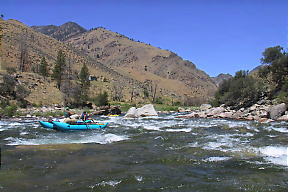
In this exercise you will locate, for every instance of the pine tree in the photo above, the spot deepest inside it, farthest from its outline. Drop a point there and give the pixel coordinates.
(58, 71)
(84, 77)
(43, 68)
(84, 86)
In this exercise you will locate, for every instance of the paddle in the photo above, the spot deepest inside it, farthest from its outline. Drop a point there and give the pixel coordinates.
(87, 125)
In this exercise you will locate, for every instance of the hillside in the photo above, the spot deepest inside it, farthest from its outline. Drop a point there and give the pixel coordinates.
(129, 66)
(15, 34)
(145, 62)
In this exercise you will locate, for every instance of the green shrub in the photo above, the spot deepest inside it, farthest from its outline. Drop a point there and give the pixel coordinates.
(125, 107)
(101, 99)
(60, 113)
(9, 111)
(166, 108)
(38, 114)
(19, 113)
(49, 113)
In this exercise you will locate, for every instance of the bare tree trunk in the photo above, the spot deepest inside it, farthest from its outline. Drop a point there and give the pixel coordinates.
(23, 64)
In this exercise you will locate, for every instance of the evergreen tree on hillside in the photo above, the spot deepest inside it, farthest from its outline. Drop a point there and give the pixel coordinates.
(43, 68)
(84, 85)
(84, 77)
(59, 69)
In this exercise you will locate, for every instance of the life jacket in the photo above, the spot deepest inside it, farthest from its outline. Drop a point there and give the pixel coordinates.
(66, 114)
(82, 116)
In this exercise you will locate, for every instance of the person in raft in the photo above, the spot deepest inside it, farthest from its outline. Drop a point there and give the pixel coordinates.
(85, 117)
(68, 113)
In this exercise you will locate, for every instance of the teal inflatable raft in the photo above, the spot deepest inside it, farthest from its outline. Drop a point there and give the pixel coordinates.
(78, 126)
(46, 124)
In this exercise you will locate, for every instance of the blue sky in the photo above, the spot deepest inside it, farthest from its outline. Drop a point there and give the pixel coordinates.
(218, 36)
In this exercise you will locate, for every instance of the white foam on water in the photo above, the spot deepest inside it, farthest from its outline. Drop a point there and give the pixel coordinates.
(98, 138)
(159, 137)
(218, 142)
(152, 127)
(237, 124)
(272, 136)
(276, 155)
(4, 125)
(111, 183)
(257, 130)
(179, 130)
(282, 130)
(109, 138)
(138, 177)
(24, 133)
(216, 159)
(14, 124)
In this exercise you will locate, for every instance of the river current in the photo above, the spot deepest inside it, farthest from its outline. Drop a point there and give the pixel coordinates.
(147, 154)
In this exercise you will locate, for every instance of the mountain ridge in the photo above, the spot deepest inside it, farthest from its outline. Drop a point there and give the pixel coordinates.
(62, 32)
(127, 64)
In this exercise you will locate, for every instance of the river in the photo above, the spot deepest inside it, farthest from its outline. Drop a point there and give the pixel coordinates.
(147, 154)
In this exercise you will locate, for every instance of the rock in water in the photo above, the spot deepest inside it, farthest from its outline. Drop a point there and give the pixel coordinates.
(277, 111)
(132, 113)
(146, 110)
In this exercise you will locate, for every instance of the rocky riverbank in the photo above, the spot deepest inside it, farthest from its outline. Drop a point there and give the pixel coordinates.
(58, 111)
(261, 112)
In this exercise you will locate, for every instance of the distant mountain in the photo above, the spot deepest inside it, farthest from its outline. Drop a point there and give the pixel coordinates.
(129, 66)
(63, 32)
(220, 78)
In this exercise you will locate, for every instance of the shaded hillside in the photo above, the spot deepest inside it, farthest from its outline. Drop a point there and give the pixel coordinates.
(220, 78)
(63, 32)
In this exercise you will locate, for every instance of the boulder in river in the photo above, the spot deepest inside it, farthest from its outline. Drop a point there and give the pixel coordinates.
(132, 113)
(204, 107)
(277, 111)
(146, 110)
